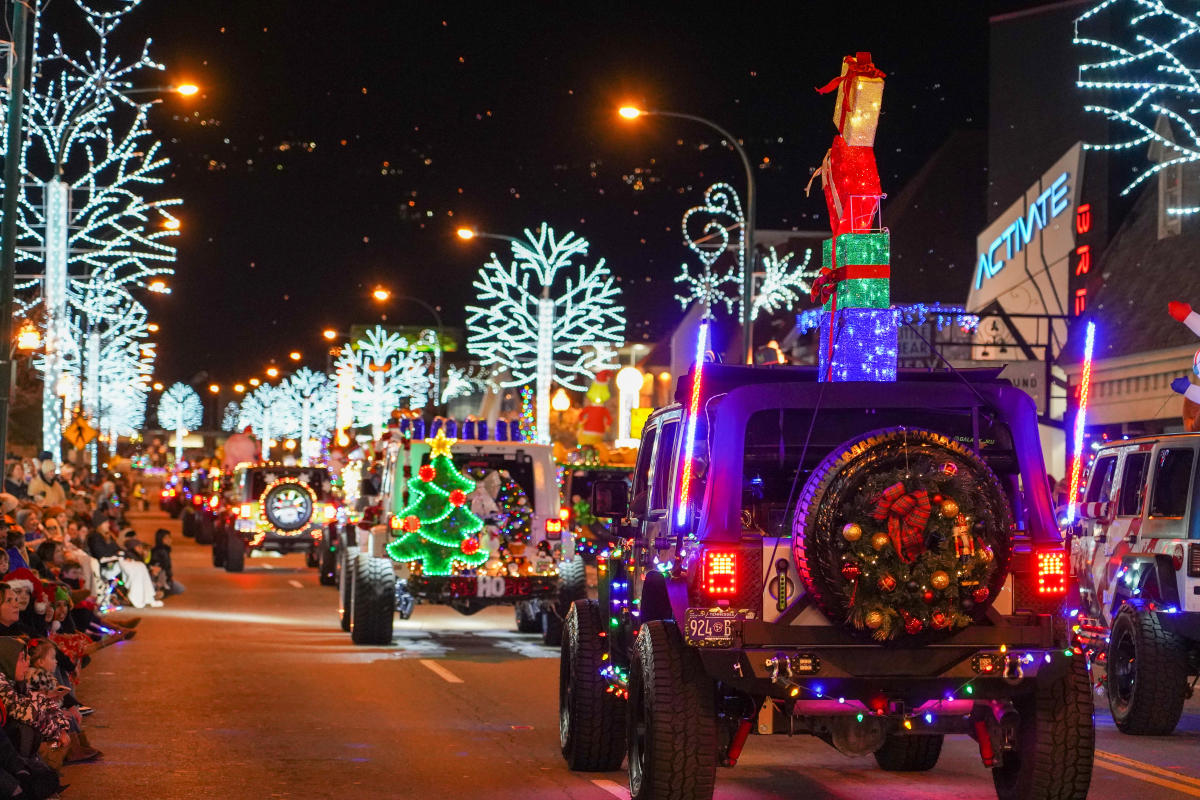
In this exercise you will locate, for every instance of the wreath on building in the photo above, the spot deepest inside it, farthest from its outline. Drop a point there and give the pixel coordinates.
(903, 532)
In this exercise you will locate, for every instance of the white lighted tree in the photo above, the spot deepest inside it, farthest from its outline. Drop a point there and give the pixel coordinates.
(542, 333)
(86, 161)
(230, 416)
(180, 410)
(271, 413)
(1146, 80)
(465, 381)
(384, 371)
(315, 395)
(715, 228)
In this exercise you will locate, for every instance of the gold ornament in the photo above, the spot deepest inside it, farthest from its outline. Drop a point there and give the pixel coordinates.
(880, 541)
(940, 580)
(873, 620)
(852, 532)
(986, 555)
(949, 508)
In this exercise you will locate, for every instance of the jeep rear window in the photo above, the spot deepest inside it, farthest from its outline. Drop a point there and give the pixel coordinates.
(315, 479)
(1100, 485)
(775, 439)
(1172, 482)
(492, 469)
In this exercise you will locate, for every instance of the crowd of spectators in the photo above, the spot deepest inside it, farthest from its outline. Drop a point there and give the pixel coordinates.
(70, 561)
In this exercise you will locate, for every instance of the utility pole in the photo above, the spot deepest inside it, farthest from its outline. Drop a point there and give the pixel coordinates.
(8, 230)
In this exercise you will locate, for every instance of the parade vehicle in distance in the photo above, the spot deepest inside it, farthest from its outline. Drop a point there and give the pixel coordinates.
(170, 499)
(276, 508)
(510, 482)
(202, 501)
(877, 565)
(1136, 551)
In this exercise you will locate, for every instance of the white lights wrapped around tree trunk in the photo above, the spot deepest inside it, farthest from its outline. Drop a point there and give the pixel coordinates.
(539, 333)
(57, 337)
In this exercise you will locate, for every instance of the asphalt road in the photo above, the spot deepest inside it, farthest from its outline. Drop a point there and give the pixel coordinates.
(245, 687)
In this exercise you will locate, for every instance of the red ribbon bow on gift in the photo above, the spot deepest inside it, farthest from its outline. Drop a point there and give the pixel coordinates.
(857, 65)
(826, 283)
(906, 515)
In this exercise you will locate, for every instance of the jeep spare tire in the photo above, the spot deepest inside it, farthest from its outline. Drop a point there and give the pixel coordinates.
(902, 532)
(288, 505)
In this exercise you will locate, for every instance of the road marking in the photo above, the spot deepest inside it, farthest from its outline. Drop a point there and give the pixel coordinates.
(1149, 774)
(613, 788)
(1166, 773)
(440, 671)
(268, 566)
(296, 583)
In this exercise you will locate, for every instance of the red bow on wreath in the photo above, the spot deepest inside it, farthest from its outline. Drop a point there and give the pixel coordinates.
(906, 515)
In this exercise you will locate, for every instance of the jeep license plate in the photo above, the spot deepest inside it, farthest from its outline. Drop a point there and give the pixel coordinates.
(709, 627)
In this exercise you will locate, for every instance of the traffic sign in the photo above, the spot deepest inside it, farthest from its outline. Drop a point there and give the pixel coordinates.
(79, 433)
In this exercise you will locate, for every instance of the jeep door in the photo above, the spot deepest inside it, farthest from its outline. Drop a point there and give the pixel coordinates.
(1088, 552)
(1122, 533)
(1170, 509)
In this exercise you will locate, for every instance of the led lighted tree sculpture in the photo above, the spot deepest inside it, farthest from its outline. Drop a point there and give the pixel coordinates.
(86, 161)
(384, 371)
(180, 410)
(709, 231)
(1146, 78)
(315, 396)
(540, 333)
(270, 412)
(230, 416)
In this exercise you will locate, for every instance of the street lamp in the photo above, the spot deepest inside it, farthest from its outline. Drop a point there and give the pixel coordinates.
(239, 387)
(254, 381)
(467, 234)
(330, 334)
(294, 355)
(381, 294)
(272, 372)
(633, 112)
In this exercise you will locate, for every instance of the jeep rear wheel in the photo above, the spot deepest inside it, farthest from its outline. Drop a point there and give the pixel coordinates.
(204, 530)
(373, 602)
(591, 719)
(1056, 740)
(528, 617)
(909, 753)
(672, 719)
(218, 548)
(1147, 673)
(346, 560)
(235, 552)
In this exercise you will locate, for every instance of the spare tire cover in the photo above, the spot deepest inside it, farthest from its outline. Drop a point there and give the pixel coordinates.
(903, 532)
(288, 505)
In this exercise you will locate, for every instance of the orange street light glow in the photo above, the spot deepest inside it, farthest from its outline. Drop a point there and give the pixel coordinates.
(239, 387)
(187, 89)
(254, 381)
(629, 112)
(329, 334)
(158, 286)
(294, 355)
(381, 294)
(171, 224)
(214, 388)
(272, 372)
(158, 387)
(465, 233)
(152, 327)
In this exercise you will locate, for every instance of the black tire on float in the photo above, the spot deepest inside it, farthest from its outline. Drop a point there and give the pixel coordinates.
(204, 530)
(312, 558)
(346, 561)
(218, 547)
(672, 719)
(373, 604)
(1147, 677)
(327, 569)
(185, 524)
(591, 719)
(235, 552)
(572, 586)
(1056, 741)
(909, 753)
(839, 478)
(528, 617)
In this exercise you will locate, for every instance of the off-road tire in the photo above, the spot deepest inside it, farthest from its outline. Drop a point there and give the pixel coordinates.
(205, 530)
(672, 730)
(816, 530)
(235, 552)
(572, 586)
(373, 602)
(312, 557)
(1148, 702)
(346, 586)
(909, 753)
(1056, 741)
(327, 569)
(591, 719)
(187, 524)
(528, 618)
(220, 541)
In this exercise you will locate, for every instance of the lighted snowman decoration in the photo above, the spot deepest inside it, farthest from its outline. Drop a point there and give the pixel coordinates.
(1191, 392)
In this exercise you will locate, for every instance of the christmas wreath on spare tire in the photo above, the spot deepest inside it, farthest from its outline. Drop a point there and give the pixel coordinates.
(901, 533)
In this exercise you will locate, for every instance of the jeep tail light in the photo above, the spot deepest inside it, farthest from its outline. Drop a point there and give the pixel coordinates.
(197, 500)
(1193, 565)
(565, 515)
(246, 511)
(719, 575)
(330, 512)
(1051, 572)
(554, 526)
(214, 502)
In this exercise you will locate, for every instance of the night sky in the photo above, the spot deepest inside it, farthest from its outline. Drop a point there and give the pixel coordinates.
(336, 146)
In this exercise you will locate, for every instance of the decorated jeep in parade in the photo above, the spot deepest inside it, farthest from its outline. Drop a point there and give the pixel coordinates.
(465, 522)
(273, 507)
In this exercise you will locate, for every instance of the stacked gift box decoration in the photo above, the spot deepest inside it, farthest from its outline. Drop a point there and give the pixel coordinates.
(858, 330)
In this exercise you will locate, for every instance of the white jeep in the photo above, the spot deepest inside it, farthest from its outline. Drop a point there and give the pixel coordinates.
(1136, 551)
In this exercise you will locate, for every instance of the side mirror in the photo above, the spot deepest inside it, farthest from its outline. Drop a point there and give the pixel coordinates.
(610, 499)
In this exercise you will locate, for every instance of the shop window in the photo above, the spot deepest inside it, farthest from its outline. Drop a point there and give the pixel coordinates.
(1133, 484)
(1172, 482)
(1100, 485)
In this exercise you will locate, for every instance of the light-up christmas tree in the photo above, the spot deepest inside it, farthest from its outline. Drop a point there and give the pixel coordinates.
(1145, 79)
(541, 333)
(180, 410)
(437, 531)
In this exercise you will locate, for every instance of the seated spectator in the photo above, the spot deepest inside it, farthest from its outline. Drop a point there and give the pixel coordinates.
(38, 713)
(160, 560)
(50, 553)
(103, 545)
(14, 481)
(134, 547)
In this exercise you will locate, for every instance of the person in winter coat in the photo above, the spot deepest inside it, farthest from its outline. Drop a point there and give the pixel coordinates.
(160, 563)
(45, 489)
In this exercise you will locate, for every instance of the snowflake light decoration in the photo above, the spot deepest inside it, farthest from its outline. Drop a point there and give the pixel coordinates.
(533, 331)
(720, 214)
(1149, 77)
(783, 285)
